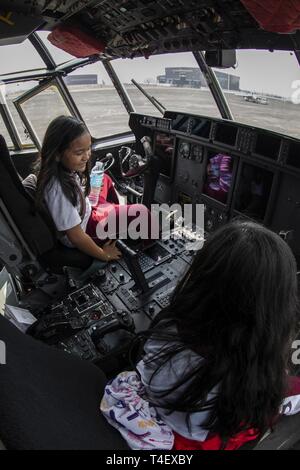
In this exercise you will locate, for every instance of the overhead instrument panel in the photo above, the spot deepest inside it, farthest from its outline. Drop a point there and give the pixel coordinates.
(133, 28)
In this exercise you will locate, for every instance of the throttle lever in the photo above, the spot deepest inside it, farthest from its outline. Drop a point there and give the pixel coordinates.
(146, 141)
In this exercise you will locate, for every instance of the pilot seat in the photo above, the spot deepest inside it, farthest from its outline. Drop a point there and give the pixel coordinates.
(49, 399)
(29, 246)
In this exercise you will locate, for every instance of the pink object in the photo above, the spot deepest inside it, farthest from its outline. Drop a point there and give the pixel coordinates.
(75, 42)
(277, 16)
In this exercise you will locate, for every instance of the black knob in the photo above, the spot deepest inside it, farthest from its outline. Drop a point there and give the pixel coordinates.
(151, 309)
(114, 268)
(102, 347)
(122, 277)
(126, 318)
(101, 274)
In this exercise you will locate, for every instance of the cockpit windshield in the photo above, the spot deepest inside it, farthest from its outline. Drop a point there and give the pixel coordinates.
(173, 79)
(268, 98)
(264, 90)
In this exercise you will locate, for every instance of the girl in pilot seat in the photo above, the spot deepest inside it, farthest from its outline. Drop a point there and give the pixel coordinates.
(215, 369)
(64, 184)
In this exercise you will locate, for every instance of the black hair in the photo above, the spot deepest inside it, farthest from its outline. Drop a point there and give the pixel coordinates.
(237, 308)
(61, 132)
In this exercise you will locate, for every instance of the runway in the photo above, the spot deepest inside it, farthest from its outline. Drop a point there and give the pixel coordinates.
(104, 113)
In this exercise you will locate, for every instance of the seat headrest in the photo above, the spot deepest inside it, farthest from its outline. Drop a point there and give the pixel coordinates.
(5, 161)
(4, 154)
(3, 146)
(33, 226)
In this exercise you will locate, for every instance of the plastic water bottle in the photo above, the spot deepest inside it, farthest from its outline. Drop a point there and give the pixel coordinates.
(96, 182)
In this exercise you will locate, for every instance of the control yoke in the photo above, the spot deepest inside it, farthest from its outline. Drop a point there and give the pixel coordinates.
(132, 164)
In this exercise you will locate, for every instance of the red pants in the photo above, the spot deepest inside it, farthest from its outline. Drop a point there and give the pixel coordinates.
(214, 442)
(110, 220)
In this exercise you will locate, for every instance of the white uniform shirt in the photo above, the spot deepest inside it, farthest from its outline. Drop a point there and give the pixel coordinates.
(169, 374)
(64, 214)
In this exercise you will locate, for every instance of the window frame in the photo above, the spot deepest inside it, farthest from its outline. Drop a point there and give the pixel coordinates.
(35, 91)
(10, 127)
(53, 75)
(68, 67)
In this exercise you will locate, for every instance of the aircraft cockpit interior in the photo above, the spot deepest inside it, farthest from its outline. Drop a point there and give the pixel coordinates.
(161, 149)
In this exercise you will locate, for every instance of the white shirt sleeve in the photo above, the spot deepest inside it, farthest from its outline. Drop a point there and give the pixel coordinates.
(64, 214)
(290, 405)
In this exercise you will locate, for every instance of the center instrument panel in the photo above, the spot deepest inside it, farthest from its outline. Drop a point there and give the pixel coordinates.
(97, 321)
(233, 170)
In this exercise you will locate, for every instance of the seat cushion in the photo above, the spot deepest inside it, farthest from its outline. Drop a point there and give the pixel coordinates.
(61, 256)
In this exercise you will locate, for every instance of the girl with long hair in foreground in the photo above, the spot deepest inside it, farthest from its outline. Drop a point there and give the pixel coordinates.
(215, 370)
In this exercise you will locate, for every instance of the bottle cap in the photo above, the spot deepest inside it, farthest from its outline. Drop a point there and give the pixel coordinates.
(99, 165)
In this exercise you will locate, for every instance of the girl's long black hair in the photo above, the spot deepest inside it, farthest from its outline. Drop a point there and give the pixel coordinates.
(237, 308)
(60, 134)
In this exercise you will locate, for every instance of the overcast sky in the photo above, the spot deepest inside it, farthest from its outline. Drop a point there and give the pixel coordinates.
(260, 71)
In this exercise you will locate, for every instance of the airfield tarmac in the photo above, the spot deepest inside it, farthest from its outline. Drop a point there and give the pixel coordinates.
(104, 113)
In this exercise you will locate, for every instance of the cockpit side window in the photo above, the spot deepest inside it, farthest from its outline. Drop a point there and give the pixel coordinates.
(19, 57)
(39, 107)
(10, 93)
(267, 90)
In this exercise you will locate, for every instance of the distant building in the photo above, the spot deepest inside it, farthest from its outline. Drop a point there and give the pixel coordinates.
(91, 79)
(227, 81)
(193, 77)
